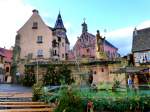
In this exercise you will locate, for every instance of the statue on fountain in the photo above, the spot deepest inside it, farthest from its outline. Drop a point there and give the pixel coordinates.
(100, 46)
(99, 41)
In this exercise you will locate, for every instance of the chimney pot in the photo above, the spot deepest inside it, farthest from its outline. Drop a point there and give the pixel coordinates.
(35, 11)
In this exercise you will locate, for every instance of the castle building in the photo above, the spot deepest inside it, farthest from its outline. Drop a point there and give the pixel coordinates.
(36, 41)
(85, 46)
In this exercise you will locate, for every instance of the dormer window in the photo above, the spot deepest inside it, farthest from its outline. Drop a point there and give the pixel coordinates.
(39, 39)
(35, 25)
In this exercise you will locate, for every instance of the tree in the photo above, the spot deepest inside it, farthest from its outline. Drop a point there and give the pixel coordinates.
(29, 78)
(51, 76)
(55, 75)
(65, 74)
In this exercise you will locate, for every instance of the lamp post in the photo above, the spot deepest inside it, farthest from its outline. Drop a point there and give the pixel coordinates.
(37, 72)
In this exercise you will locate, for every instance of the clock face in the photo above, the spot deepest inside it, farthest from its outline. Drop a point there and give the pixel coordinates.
(60, 33)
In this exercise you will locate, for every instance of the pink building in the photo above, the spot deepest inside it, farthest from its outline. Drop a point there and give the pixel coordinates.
(85, 46)
(7, 61)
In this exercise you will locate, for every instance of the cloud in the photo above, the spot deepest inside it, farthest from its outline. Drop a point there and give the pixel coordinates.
(14, 13)
(67, 25)
(122, 38)
(144, 24)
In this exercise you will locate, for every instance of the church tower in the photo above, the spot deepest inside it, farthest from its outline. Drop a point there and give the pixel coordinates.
(84, 27)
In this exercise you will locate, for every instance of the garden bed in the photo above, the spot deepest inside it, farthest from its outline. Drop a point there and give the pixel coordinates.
(106, 100)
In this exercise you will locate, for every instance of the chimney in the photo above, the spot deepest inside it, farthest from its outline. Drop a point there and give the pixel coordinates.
(35, 11)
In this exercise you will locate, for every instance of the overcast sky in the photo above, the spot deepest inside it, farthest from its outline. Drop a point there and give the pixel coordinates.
(118, 17)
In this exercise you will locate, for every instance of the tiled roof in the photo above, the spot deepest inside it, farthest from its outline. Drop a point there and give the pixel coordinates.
(93, 36)
(59, 23)
(109, 44)
(141, 40)
(7, 54)
(1, 52)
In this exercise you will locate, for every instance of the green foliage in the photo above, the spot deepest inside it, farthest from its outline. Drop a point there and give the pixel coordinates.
(65, 75)
(13, 71)
(29, 78)
(69, 101)
(104, 86)
(51, 76)
(116, 84)
(37, 91)
(117, 101)
(73, 100)
(57, 75)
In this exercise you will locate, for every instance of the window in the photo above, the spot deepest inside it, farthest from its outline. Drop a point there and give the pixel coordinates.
(54, 53)
(35, 25)
(30, 56)
(102, 70)
(59, 39)
(7, 69)
(62, 55)
(39, 39)
(62, 44)
(40, 53)
(87, 50)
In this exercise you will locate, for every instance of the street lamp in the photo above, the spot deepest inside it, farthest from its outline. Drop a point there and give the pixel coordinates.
(37, 72)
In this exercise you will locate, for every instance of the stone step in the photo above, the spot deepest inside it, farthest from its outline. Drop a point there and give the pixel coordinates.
(29, 110)
(5, 99)
(22, 103)
(25, 107)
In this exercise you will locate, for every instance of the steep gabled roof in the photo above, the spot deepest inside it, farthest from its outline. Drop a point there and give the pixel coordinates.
(94, 37)
(2, 52)
(59, 23)
(141, 40)
(109, 44)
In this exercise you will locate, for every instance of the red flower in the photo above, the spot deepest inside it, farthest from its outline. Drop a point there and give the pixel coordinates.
(90, 104)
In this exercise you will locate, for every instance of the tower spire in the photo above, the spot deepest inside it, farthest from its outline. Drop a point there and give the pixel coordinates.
(59, 22)
(84, 26)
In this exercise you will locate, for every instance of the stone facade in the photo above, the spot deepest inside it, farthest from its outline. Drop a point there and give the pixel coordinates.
(36, 41)
(35, 38)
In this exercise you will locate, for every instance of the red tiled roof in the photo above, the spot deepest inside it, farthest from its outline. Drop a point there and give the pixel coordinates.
(7, 54)
(1, 52)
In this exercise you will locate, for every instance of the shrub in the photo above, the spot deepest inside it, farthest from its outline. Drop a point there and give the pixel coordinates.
(29, 78)
(37, 91)
(70, 101)
(57, 75)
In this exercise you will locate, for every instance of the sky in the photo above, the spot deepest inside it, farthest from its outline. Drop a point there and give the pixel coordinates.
(117, 17)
